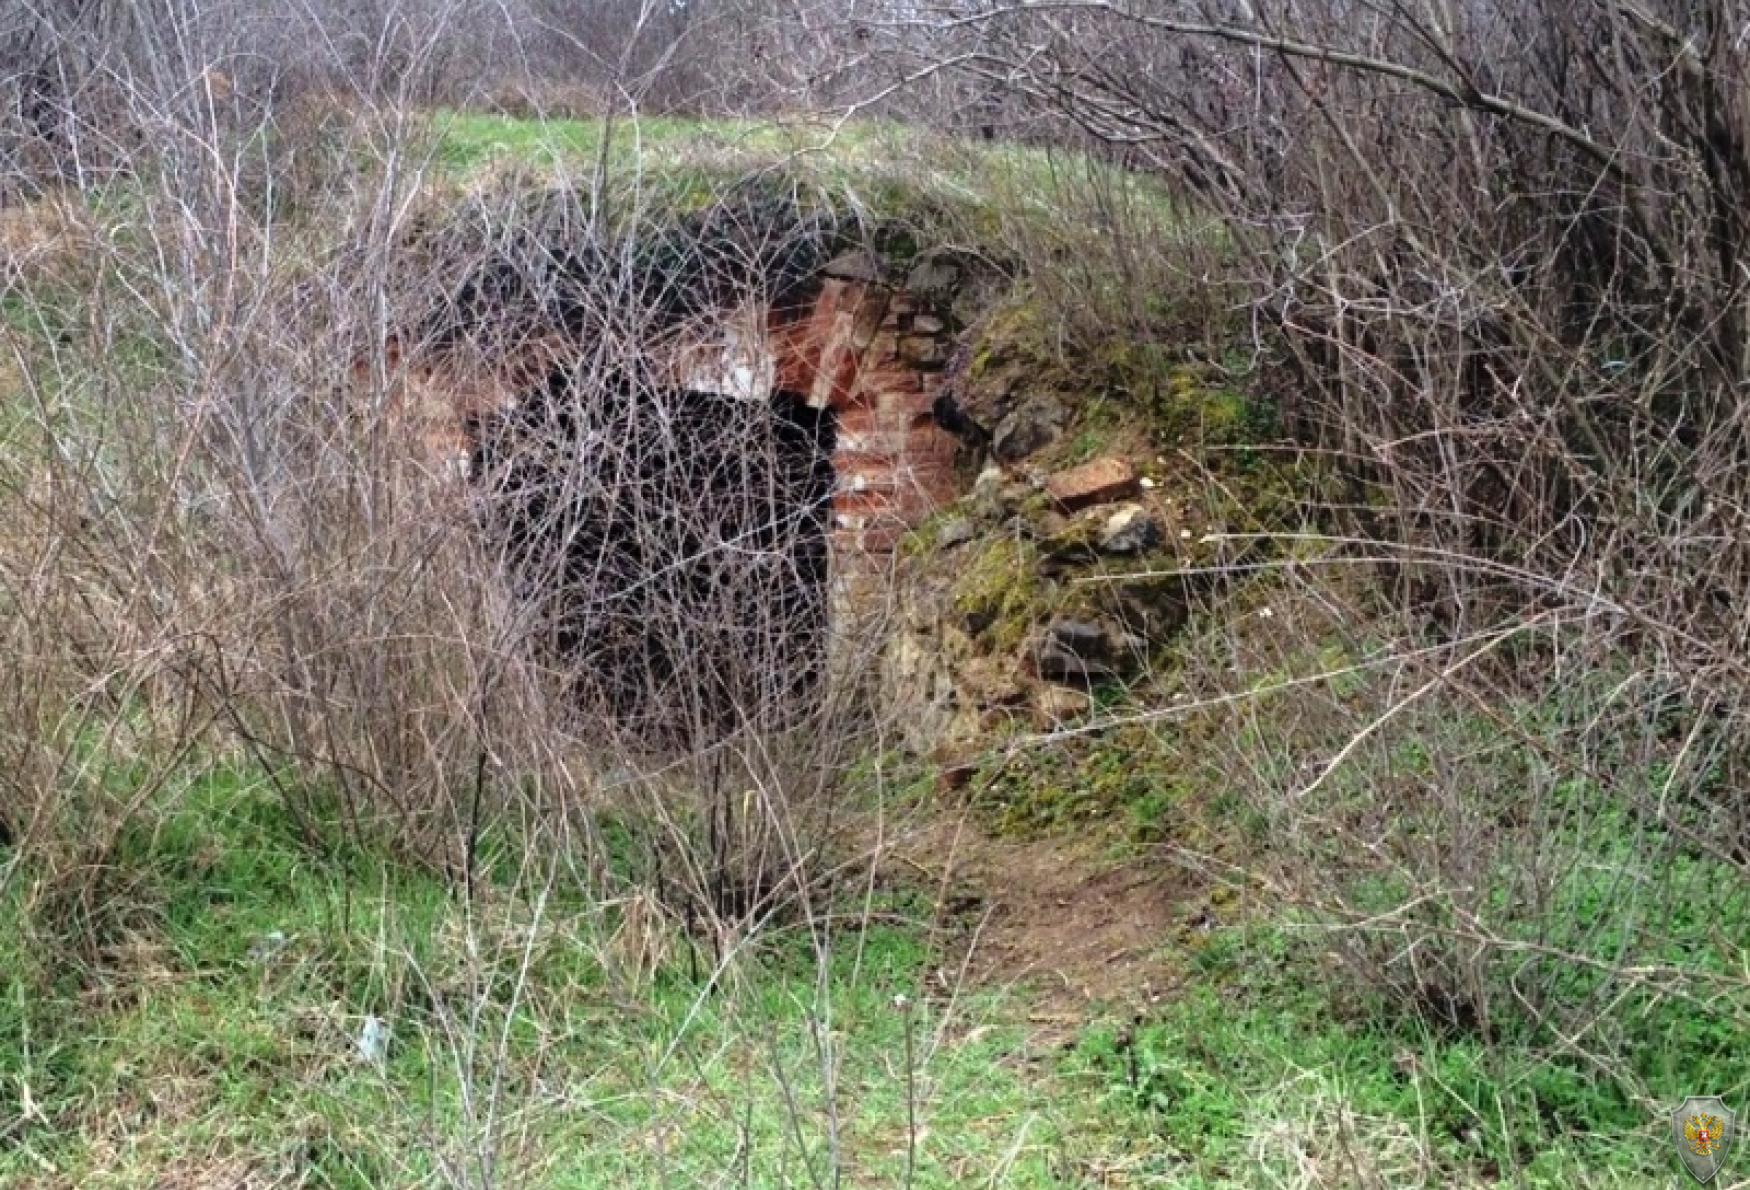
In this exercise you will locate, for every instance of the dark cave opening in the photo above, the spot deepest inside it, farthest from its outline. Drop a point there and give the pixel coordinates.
(669, 546)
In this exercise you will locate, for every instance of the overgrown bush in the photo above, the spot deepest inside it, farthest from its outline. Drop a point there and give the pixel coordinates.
(1500, 251)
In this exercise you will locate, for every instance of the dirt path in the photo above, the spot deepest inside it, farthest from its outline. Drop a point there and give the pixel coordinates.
(1086, 935)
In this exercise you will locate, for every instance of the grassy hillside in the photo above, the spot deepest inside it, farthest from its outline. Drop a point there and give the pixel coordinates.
(294, 893)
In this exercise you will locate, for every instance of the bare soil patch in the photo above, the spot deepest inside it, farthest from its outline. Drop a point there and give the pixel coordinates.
(1086, 934)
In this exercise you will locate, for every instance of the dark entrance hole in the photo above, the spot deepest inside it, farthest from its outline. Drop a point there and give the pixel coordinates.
(669, 548)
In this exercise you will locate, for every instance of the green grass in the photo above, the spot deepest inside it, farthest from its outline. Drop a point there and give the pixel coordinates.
(1273, 1058)
(1258, 1066)
(885, 172)
(212, 1031)
(217, 1031)
(470, 141)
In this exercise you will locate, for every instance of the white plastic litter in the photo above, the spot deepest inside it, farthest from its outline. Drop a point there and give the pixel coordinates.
(373, 1041)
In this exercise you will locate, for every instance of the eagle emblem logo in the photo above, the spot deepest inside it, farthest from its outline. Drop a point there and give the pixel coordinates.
(1703, 1130)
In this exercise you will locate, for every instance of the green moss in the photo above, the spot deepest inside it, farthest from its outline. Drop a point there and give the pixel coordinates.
(1001, 594)
(1166, 389)
(1137, 785)
(1127, 394)
(922, 540)
(1099, 423)
(1076, 540)
(1016, 333)
(1187, 407)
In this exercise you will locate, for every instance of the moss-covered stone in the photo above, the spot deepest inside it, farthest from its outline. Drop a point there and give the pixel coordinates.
(1077, 539)
(1133, 778)
(1001, 595)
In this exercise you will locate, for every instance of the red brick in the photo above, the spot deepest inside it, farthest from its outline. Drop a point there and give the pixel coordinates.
(1099, 482)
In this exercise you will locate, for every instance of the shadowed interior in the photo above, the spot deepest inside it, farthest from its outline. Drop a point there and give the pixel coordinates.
(671, 547)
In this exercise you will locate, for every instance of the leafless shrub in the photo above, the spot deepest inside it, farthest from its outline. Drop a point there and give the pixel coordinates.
(228, 459)
(1499, 249)
(412, 499)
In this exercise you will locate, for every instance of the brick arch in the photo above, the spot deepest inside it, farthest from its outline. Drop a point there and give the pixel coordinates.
(873, 354)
